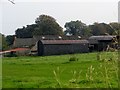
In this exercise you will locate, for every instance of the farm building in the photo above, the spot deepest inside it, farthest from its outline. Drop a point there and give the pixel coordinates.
(100, 43)
(56, 47)
(51, 44)
(29, 42)
(16, 51)
(23, 42)
(32, 43)
(56, 37)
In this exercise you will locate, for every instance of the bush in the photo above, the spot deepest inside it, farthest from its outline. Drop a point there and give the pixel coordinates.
(11, 55)
(73, 58)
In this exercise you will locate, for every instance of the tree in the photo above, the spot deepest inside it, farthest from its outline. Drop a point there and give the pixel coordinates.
(100, 29)
(3, 43)
(115, 27)
(47, 25)
(10, 39)
(77, 28)
(26, 32)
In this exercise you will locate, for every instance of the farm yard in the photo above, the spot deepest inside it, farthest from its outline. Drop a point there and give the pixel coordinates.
(75, 49)
(86, 70)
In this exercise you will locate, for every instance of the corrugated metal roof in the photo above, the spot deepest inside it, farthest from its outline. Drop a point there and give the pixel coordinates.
(56, 37)
(91, 41)
(22, 42)
(101, 37)
(64, 41)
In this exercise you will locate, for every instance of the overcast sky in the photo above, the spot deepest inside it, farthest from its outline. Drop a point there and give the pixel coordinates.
(24, 13)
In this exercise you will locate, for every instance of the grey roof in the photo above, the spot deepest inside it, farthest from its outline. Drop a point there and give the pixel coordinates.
(91, 41)
(28, 42)
(46, 37)
(101, 37)
(64, 41)
(23, 42)
(56, 37)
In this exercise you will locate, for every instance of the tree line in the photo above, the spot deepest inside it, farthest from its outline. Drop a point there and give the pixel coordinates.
(47, 25)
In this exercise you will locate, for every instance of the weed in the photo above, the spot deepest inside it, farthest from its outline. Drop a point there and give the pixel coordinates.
(57, 77)
(73, 58)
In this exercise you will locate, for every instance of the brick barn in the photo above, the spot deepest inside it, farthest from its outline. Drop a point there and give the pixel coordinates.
(57, 47)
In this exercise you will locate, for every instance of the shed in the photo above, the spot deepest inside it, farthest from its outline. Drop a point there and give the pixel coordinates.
(56, 47)
(100, 43)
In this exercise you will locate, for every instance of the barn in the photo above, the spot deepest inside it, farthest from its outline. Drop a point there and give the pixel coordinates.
(29, 42)
(100, 43)
(23, 42)
(57, 47)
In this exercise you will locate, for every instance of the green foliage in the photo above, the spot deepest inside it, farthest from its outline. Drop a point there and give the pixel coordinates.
(47, 25)
(6, 42)
(77, 28)
(44, 18)
(10, 40)
(3, 43)
(73, 58)
(10, 55)
(26, 32)
(116, 28)
(101, 29)
(57, 72)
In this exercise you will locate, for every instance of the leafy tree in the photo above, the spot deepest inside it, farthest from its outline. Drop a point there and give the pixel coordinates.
(115, 27)
(26, 32)
(47, 25)
(77, 28)
(10, 39)
(3, 43)
(100, 29)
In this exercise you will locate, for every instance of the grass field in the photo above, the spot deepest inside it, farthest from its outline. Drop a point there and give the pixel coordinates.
(59, 72)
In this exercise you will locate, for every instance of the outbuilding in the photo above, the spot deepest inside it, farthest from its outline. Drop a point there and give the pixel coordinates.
(56, 47)
(100, 43)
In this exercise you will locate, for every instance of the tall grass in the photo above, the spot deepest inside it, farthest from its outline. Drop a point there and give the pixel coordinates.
(107, 62)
